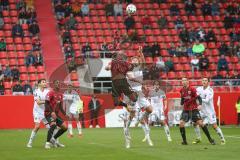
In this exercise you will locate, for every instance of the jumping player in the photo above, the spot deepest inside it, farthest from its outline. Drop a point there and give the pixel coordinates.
(207, 110)
(72, 102)
(158, 101)
(190, 111)
(54, 104)
(38, 110)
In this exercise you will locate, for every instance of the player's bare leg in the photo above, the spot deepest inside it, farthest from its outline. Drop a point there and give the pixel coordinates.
(33, 135)
(166, 129)
(219, 132)
(198, 134)
(205, 130)
(183, 132)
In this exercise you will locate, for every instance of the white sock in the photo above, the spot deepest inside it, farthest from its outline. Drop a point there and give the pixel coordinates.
(79, 127)
(219, 132)
(198, 132)
(33, 135)
(70, 129)
(47, 126)
(167, 131)
(143, 115)
(128, 123)
(144, 129)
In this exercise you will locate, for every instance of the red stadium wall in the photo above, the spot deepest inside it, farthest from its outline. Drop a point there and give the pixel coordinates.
(16, 111)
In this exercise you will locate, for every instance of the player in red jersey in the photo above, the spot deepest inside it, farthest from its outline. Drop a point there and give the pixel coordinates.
(53, 105)
(189, 99)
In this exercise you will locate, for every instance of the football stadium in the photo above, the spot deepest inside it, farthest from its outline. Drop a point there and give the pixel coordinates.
(119, 79)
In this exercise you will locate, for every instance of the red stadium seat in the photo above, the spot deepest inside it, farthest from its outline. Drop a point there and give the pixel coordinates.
(23, 77)
(32, 77)
(31, 69)
(22, 69)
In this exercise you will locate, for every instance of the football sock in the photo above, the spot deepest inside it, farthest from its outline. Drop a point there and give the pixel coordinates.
(144, 115)
(122, 104)
(79, 127)
(70, 128)
(205, 130)
(50, 132)
(166, 129)
(197, 131)
(183, 134)
(33, 135)
(59, 133)
(219, 132)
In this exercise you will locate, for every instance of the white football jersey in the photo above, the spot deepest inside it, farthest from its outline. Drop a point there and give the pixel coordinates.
(39, 95)
(71, 100)
(137, 74)
(207, 100)
(157, 97)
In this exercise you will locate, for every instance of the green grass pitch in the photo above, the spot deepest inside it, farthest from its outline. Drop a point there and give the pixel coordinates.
(108, 144)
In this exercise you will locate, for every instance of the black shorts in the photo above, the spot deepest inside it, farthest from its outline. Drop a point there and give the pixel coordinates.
(193, 115)
(120, 86)
(58, 121)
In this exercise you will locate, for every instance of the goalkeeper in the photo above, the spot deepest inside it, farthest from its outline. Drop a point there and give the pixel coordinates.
(73, 106)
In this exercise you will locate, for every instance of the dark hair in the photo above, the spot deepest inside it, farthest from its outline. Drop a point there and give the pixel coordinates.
(207, 78)
(40, 80)
(54, 81)
(238, 101)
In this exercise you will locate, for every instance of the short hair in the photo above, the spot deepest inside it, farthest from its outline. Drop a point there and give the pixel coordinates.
(54, 81)
(207, 78)
(40, 80)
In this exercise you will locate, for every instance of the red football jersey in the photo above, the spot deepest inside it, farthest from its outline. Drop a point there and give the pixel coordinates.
(120, 67)
(53, 97)
(190, 98)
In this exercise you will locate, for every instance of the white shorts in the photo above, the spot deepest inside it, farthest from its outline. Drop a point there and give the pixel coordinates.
(157, 115)
(37, 118)
(209, 118)
(142, 102)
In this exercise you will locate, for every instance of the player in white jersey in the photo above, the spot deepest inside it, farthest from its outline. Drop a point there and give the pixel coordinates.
(207, 110)
(135, 79)
(158, 101)
(73, 107)
(38, 110)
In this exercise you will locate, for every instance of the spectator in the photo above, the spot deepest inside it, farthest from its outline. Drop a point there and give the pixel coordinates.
(34, 29)
(68, 9)
(36, 44)
(181, 50)
(217, 79)
(194, 64)
(71, 22)
(231, 8)
(154, 72)
(72, 67)
(86, 50)
(85, 9)
(7, 73)
(184, 35)
(201, 34)
(238, 53)
(17, 30)
(17, 89)
(179, 23)
(189, 50)
(118, 9)
(236, 78)
(76, 8)
(30, 59)
(15, 74)
(160, 64)
(210, 37)
(146, 22)
(192, 35)
(174, 10)
(162, 21)
(222, 64)
(31, 15)
(203, 63)
(198, 48)
(22, 16)
(215, 8)
(27, 89)
(2, 89)
(235, 36)
(4, 5)
(172, 50)
(1, 23)
(69, 52)
(146, 50)
(59, 10)
(169, 65)
(206, 9)
(94, 107)
(39, 59)
(190, 8)
(20, 4)
(1, 73)
(105, 51)
(3, 45)
(223, 49)
(129, 22)
(66, 36)
(155, 50)
(228, 21)
(109, 9)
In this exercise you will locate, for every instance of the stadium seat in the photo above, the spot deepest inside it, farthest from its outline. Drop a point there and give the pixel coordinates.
(23, 77)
